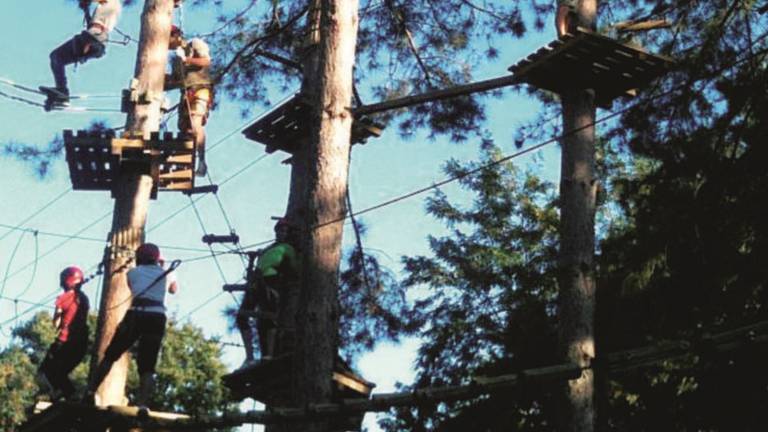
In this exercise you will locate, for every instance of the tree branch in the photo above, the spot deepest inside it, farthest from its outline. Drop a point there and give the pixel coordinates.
(240, 53)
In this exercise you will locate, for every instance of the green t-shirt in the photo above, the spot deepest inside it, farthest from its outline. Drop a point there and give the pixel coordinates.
(278, 259)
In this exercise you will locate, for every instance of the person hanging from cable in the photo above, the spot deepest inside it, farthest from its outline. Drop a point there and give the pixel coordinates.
(144, 322)
(67, 351)
(88, 44)
(275, 270)
(190, 72)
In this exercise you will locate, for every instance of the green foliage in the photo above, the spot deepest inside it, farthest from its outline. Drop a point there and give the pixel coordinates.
(491, 285)
(373, 304)
(188, 373)
(17, 388)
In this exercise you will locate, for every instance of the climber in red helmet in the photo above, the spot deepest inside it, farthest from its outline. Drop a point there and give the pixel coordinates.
(68, 350)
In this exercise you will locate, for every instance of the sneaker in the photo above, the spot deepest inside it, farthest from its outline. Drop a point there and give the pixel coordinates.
(60, 95)
(202, 168)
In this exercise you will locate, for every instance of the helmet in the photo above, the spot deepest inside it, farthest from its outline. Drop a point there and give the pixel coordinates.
(176, 31)
(148, 252)
(71, 277)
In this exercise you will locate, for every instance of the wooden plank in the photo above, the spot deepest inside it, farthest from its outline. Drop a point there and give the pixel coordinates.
(352, 383)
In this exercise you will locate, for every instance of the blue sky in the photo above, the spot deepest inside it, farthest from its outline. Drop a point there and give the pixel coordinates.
(382, 169)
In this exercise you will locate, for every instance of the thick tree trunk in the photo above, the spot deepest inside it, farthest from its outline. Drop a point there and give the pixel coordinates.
(326, 183)
(578, 187)
(132, 193)
(297, 202)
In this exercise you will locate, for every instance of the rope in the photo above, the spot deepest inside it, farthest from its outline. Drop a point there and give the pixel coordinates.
(36, 213)
(177, 212)
(89, 239)
(66, 240)
(34, 268)
(10, 261)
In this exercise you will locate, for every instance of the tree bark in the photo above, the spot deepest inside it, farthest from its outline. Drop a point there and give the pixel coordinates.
(326, 184)
(578, 187)
(132, 194)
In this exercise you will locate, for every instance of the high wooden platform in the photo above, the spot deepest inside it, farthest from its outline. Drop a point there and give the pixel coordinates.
(286, 127)
(70, 417)
(97, 159)
(586, 60)
(268, 380)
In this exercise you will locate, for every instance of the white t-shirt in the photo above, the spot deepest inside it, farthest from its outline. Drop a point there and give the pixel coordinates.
(139, 280)
(107, 15)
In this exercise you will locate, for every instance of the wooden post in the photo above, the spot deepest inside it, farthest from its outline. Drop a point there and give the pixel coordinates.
(578, 187)
(132, 193)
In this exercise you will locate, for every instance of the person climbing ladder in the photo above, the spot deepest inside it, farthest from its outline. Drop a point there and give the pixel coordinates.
(88, 44)
(68, 350)
(144, 322)
(191, 74)
(277, 267)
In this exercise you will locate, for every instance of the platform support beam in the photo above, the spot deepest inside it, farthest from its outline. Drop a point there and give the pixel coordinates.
(133, 189)
(578, 187)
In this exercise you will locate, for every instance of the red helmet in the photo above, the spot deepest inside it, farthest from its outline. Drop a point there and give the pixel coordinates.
(176, 31)
(148, 252)
(71, 277)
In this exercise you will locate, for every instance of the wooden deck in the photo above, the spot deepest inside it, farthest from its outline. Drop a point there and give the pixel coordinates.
(286, 127)
(97, 159)
(587, 60)
(267, 380)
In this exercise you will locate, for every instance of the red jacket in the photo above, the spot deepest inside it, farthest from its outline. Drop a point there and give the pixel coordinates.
(74, 306)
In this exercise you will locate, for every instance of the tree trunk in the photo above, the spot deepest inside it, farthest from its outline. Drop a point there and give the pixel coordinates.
(326, 184)
(132, 194)
(577, 244)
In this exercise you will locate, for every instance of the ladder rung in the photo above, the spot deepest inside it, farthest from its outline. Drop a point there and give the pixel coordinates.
(212, 238)
(178, 159)
(202, 189)
(177, 185)
(177, 175)
(235, 287)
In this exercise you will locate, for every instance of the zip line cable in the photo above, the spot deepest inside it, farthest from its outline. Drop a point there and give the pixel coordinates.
(88, 239)
(36, 213)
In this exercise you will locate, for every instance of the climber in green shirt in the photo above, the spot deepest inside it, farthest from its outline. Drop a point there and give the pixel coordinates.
(276, 268)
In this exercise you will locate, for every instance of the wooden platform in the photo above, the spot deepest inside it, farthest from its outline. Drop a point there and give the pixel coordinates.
(270, 378)
(96, 160)
(267, 380)
(286, 127)
(587, 60)
(68, 416)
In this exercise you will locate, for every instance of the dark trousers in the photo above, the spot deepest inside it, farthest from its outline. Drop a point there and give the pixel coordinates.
(261, 295)
(61, 359)
(80, 48)
(148, 328)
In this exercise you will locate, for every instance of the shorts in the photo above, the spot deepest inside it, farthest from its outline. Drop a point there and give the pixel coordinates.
(196, 102)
